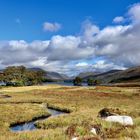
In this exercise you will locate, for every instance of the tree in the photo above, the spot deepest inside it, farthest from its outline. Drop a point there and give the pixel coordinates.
(15, 75)
(90, 82)
(35, 77)
(1, 76)
(97, 82)
(77, 81)
(21, 76)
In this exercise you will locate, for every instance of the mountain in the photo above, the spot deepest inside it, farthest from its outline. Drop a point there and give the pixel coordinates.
(36, 69)
(52, 76)
(118, 76)
(103, 77)
(86, 74)
(129, 75)
(56, 76)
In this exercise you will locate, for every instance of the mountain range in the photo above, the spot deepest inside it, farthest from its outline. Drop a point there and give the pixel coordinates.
(113, 76)
(117, 76)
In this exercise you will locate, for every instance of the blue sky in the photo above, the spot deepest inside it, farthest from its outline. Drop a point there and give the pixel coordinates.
(70, 36)
(70, 13)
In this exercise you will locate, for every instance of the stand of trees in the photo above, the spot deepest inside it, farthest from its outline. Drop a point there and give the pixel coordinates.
(90, 82)
(21, 76)
(77, 81)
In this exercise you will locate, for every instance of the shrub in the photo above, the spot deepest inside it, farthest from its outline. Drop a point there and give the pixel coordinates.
(77, 81)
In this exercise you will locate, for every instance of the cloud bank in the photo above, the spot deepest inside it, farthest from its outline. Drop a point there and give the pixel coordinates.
(113, 47)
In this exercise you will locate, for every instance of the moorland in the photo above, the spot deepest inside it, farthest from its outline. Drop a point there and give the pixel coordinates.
(23, 104)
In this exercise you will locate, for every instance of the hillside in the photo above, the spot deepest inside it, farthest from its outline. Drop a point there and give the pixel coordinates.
(129, 75)
(56, 76)
(86, 74)
(53, 76)
(118, 76)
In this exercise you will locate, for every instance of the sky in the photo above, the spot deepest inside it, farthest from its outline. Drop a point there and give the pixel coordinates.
(70, 36)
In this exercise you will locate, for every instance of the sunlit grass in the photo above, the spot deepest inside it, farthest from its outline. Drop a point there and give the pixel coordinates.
(84, 104)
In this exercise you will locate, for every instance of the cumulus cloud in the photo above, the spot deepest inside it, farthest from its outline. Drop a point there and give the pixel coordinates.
(67, 48)
(102, 65)
(51, 27)
(113, 47)
(118, 19)
(134, 12)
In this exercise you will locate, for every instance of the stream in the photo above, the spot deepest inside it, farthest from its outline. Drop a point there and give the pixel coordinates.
(31, 125)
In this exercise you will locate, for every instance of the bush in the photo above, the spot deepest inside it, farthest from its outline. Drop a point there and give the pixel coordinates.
(77, 81)
(92, 82)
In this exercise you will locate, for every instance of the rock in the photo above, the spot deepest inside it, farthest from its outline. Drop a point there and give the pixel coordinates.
(93, 130)
(124, 120)
(74, 138)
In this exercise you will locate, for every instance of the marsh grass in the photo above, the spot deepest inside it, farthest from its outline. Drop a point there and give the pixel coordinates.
(83, 103)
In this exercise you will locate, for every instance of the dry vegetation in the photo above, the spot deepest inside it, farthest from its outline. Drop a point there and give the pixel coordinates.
(84, 104)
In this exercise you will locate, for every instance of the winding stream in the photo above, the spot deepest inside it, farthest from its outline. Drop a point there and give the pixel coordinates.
(31, 125)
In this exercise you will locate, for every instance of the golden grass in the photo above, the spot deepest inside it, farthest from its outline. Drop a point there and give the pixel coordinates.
(84, 102)
(27, 88)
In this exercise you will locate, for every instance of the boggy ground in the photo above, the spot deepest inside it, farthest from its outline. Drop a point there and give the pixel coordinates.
(84, 103)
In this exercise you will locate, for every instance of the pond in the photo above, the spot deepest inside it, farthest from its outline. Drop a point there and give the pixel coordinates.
(31, 125)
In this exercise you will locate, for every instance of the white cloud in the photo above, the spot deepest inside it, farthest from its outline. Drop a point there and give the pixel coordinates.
(102, 65)
(134, 12)
(18, 45)
(51, 27)
(39, 46)
(67, 48)
(119, 19)
(89, 31)
(40, 62)
(81, 64)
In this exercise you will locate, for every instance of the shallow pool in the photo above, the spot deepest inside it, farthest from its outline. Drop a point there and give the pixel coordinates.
(31, 125)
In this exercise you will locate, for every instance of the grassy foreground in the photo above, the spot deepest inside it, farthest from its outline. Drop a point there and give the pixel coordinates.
(83, 102)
